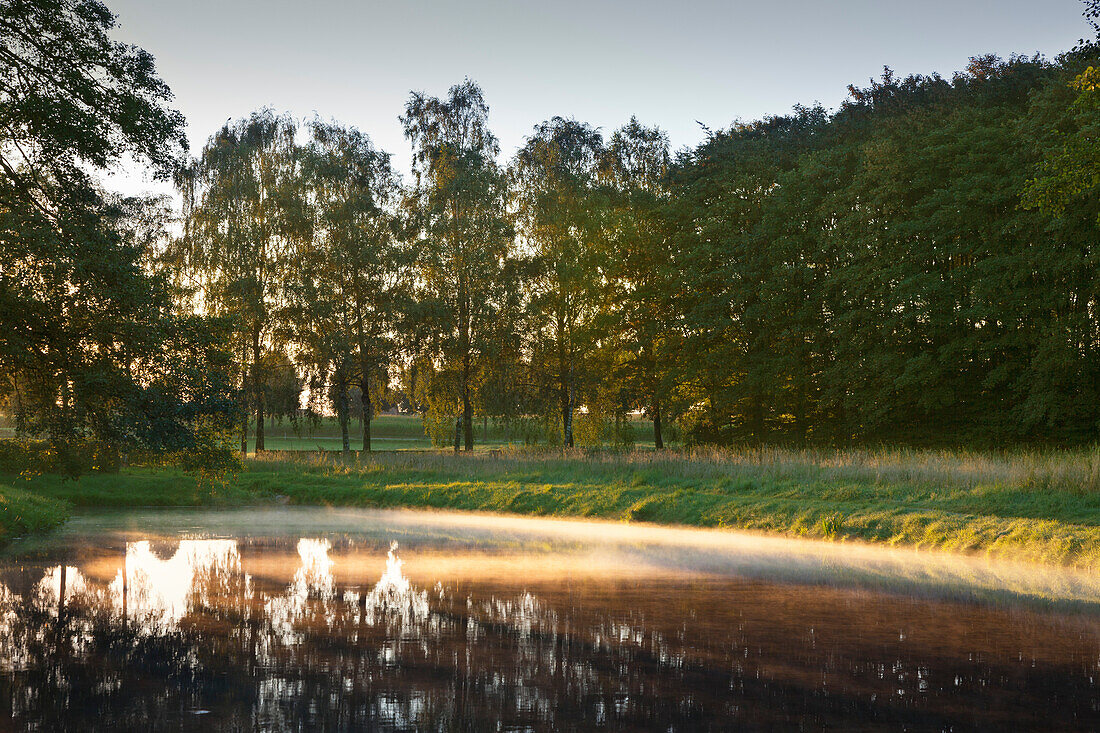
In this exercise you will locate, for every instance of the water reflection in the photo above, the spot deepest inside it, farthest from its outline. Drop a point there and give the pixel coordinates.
(349, 631)
(157, 593)
(393, 598)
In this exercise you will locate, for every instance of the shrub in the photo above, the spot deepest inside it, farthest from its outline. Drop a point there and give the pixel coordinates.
(71, 459)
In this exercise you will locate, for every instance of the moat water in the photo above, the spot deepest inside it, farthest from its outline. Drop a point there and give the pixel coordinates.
(314, 619)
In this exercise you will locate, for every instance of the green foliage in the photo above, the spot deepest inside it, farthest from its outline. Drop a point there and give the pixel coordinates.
(1070, 174)
(80, 98)
(919, 266)
(638, 349)
(34, 457)
(872, 275)
(590, 429)
(212, 459)
(439, 424)
(282, 386)
(25, 457)
(348, 280)
(831, 525)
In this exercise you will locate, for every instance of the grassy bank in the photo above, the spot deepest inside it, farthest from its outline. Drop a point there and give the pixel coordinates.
(24, 511)
(1042, 506)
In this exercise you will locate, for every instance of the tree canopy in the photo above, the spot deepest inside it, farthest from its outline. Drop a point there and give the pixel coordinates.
(91, 348)
(919, 265)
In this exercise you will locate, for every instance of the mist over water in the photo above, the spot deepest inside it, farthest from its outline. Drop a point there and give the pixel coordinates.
(400, 620)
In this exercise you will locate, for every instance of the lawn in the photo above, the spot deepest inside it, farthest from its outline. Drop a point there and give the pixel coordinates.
(1037, 506)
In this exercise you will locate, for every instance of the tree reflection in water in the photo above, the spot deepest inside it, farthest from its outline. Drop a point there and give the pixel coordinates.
(196, 640)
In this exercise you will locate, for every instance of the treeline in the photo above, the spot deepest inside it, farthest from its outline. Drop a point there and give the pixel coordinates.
(917, 266)
(906, 268)
(921, 265)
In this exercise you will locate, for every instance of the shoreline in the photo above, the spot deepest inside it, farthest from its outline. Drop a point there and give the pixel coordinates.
(969, 515)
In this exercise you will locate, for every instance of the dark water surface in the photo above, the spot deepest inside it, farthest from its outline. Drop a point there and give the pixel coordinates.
(295, 619)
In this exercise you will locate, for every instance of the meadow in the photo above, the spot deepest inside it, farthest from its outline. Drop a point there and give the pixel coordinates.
(1036, 505)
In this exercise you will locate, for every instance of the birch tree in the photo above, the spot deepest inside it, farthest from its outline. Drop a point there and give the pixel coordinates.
(459, 219)
(351, 278)
(242, 214)
(554, 176)
(634, 168)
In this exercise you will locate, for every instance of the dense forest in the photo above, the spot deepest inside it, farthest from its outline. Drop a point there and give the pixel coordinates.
(920, 265)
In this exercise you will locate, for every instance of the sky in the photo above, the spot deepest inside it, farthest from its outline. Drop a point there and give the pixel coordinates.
(673, 63)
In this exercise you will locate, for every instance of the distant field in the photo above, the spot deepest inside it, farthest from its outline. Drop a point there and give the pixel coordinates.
(388, 433)
(399, 432)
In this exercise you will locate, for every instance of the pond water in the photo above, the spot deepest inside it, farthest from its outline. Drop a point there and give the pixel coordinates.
(302, 619)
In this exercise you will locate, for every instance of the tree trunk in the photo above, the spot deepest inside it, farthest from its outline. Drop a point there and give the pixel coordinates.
(467, 419)
(244, 400)
(342, 409)
(364, 377)
(565, 387)
(566, 418)
(467, 408)
(258, 389)
(569, 420)
(458, 433)
(464, 337)
(756, 418)
(368, 411)
(244, 433)
(658, 439)
(61, 594)
(801, 422)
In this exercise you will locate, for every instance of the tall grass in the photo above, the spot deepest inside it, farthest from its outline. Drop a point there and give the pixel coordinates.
(1076, 471)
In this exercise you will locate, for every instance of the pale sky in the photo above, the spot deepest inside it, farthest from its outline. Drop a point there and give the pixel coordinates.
(670, 63)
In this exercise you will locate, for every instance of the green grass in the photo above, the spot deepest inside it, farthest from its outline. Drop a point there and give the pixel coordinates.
(25, 511)
(1042, 506)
